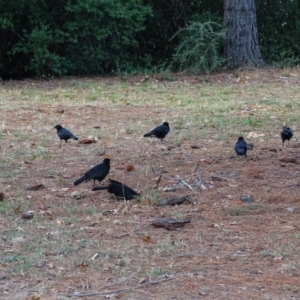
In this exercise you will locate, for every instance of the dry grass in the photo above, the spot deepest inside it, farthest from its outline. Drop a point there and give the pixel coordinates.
(92, 243)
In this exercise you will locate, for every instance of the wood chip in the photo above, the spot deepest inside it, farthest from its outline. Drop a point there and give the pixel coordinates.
(170, 224)
(87, 140)
(288, 159)
(35, 187)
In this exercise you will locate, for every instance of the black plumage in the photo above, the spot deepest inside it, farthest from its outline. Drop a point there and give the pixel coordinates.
(160, 131)
(286, 134)
(241, 146)
(120, 190)
(64, 134)
(98, 172)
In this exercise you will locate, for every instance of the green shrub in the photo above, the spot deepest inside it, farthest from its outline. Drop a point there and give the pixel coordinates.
(199, 48)
(82, 37)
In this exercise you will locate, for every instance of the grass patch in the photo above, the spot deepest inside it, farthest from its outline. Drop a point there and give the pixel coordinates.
(246, 209)
(92, 240)
(40, 153)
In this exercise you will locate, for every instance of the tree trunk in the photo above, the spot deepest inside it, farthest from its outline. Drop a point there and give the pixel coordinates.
(241, 45)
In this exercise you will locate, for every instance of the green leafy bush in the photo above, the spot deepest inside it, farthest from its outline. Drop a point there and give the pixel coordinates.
(80, 37)
(199, 47)
(278, 24)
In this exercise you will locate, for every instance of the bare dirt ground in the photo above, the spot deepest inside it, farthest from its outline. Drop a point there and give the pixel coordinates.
(95, 247)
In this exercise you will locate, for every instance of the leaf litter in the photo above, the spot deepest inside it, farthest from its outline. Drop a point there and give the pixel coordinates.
(247, 250)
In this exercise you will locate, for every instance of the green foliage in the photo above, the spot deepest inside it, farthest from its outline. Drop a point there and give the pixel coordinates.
(278, 24)
(199, 48)
(91, 37)
(107, 42)
(285, 59)
(169, 17)
(46, 38)
(37, 46)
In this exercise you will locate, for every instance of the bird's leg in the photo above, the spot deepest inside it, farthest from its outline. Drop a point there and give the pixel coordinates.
(59, 143)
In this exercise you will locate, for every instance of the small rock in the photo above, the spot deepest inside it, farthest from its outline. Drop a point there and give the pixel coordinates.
(250, 146)
(290, 209)
(246, 199)
(28, 216)
(76, 195)
(101, 153)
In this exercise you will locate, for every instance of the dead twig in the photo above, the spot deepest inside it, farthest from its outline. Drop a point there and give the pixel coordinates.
(158, 181)
(218, 178)
(183, 182)
(125, 290)
(285, 177)
(211, 164)
(119, 236)
(115, 283)
(196, 168)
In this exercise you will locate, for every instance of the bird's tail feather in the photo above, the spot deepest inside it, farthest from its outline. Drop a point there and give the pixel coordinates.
(148, 134)
(78, 181)
(75, 137)
(99, 188)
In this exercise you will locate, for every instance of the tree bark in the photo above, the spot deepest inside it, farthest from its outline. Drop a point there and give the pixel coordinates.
(241, 44)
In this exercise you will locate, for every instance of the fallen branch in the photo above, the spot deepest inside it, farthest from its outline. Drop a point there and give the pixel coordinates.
(183, 182)
(115, 283)
(170, 224)
(196, 172)
(211, 164)
(125, 290)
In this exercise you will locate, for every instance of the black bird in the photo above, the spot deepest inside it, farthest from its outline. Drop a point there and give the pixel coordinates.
(99, 172)
(160, 131)
(241, 147)
(286, 134)
(64, 134)
(120, 190)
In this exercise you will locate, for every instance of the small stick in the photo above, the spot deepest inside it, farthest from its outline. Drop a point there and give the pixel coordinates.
(118, 282)
(120, 290)
(211, 164)
(183, 182)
